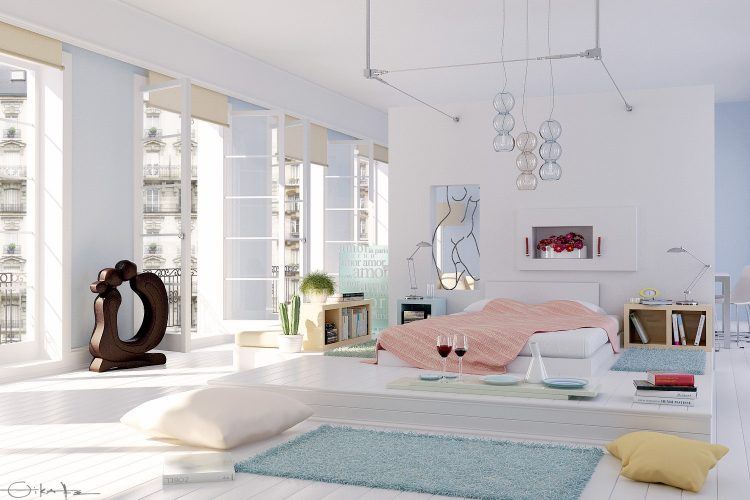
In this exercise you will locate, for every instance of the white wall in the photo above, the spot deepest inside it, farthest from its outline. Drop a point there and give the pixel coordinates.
(659, 157)
(732, 187)
(102, 182)
(123, 32)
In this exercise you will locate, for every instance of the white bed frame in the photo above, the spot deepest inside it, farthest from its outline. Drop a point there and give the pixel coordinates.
(536, 292)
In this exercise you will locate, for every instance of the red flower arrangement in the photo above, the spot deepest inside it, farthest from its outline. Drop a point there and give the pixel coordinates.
(563, 243)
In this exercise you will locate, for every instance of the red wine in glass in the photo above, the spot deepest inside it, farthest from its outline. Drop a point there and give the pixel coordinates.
(460, 347)
(444, 348)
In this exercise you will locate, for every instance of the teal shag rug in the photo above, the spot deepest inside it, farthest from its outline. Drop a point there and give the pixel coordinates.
(643, 359)
(434, 464)
(364, 350)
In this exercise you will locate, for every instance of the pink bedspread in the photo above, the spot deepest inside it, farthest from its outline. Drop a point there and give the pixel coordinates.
(496, 334)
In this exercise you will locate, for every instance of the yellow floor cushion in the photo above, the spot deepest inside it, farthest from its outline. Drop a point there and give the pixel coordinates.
(652, 457)
(267, 338)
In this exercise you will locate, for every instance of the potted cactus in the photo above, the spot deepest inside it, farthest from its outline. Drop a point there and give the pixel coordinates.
(291, 340)
(317, 286)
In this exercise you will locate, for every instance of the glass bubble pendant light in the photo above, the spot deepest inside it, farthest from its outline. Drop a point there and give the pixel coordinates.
(503, 121)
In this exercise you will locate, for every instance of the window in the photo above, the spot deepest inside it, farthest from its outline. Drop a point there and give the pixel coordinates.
(17, 150)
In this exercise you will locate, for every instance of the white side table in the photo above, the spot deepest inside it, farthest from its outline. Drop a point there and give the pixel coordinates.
(409, 310)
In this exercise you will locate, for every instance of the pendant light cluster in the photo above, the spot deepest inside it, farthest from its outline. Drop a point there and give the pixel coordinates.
(550, 130)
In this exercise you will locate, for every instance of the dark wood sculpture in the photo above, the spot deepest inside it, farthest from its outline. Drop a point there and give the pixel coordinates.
(108, 349)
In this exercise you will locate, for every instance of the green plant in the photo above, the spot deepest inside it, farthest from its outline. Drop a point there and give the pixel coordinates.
(152, 131)
(290, 316)
(11, 247)
(317, 282)
(11, 131)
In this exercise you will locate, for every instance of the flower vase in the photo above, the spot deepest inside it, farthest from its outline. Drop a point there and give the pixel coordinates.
(536, 372)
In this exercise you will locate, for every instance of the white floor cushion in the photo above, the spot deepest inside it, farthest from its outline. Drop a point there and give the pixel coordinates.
(217, 417)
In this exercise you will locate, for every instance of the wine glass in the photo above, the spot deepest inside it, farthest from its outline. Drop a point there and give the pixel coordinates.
(444, 348)
(460, 347)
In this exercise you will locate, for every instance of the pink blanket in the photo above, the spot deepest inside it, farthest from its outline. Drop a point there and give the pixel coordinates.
(496, 334)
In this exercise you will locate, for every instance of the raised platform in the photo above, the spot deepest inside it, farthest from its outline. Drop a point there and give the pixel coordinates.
(347, 390)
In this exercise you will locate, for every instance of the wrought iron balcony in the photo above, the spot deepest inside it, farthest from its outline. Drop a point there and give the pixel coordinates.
(12, 307)
(166, 172)
(11, 133)
(172, 278)
(13, 208)
(13, 171)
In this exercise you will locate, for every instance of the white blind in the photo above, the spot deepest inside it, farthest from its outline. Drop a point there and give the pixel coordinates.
(26, 44)
(204, 104)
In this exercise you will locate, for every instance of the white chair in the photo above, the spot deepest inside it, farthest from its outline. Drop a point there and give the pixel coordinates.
(741, 297)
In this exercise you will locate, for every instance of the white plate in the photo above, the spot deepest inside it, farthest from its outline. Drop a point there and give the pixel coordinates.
(501, 379)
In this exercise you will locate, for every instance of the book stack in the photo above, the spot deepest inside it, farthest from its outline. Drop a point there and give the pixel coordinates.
(197, 467)
(331, 333)
(676, 389)
(352, 296)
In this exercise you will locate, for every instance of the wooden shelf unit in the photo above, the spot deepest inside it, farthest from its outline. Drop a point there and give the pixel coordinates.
(657, 321)
(313, 318)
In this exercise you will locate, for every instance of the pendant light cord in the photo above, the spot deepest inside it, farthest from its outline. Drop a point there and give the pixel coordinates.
(502, 49)
(525, 71)
(549, 51)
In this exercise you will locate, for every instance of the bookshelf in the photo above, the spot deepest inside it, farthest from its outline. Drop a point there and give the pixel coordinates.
(313, 318)
(657, 322)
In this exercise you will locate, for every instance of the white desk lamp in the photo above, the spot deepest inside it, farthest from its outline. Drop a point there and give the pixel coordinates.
(706, 267)
(412, 272)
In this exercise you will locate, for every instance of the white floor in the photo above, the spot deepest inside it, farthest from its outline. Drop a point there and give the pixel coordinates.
(67, 428)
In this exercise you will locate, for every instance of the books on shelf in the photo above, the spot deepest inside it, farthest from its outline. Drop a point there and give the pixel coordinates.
(699, 332)
(353, 322)
(681, 326)
(331, 333)
(639, 328)
(675, 330)
(657, 302)
(671, 379)
(351, 296)
(197, 467)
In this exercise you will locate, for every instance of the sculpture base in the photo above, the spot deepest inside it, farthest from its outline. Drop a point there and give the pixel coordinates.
(148, 359)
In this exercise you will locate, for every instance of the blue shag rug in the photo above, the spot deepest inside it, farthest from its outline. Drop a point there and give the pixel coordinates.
(435, 464)
(364, 350)
(643, 359)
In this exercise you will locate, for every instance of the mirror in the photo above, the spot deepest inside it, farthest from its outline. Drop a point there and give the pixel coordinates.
(455, 236)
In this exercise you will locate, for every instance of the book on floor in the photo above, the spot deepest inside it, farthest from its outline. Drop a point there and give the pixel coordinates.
(664, 401)
(197, 467)
(645, 385)
(666, 394)
(666, 378)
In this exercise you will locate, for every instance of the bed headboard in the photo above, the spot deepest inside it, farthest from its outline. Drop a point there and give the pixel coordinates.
(535, 292)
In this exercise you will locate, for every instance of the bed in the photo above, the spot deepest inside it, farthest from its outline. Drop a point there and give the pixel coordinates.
(576, 352)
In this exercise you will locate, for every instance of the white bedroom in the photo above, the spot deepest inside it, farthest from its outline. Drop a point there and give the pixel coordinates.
(374, 249)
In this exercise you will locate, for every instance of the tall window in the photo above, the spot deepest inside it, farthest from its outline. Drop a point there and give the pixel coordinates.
(17, 220)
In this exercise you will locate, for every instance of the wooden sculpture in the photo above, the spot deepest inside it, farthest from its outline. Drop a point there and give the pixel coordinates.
(108, 349)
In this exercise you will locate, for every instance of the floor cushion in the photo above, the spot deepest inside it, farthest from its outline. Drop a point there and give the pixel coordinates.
(653, 457)
(217, 417)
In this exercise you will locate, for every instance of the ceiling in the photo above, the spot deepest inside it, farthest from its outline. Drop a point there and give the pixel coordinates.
(646, 43)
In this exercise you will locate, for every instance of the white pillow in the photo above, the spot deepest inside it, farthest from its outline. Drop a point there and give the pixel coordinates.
(476, 306)
(591, 306)
(217, 417)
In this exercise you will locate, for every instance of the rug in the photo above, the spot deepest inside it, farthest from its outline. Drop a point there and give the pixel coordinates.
(643, 359)
(365, 350)
(434, 464)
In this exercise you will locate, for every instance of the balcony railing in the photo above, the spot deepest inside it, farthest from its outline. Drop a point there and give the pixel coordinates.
(291, 283)
(154, 133)
(166, 172)
(152, 249)
(13, 171)
(172, 278)
(11, 133)
(12, 249)
(13, 208)
(12, 305)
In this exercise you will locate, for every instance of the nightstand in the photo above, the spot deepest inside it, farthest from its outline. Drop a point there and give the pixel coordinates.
(657, 323)
(409, 310)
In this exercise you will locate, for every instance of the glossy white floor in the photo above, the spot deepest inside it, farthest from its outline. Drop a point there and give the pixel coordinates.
(66, 427)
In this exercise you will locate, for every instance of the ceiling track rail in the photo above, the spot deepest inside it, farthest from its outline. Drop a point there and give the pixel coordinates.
(371, 73)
